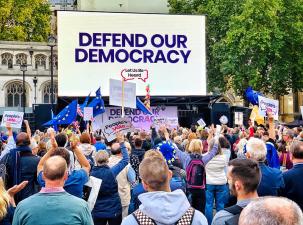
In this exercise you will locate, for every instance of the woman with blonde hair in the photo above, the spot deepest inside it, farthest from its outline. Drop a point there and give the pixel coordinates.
(216, 180)
(188, 159)
(7, 202)
(191, 137)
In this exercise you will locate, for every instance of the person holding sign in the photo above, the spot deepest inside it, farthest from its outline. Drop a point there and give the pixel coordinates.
(21, 165)
(108, 208)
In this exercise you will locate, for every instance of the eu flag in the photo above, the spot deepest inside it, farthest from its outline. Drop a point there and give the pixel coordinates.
(66, 116)
(97, 103)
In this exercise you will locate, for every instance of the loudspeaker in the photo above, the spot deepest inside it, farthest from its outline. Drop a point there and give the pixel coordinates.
(42, 113)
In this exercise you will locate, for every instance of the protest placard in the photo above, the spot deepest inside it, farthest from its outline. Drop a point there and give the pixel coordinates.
(111, 127)
(13, 118)
(169, 122)
(301, 111)
(239, 118)
(88, 113)
(115, 93)
(201, 123)
(268, 105)
(91, 191)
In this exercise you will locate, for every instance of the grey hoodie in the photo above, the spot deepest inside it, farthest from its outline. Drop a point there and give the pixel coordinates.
(166, 208)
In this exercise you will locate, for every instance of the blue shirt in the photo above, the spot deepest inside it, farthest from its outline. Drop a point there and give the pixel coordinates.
(271, 181)
(99, 146)
(74, 183)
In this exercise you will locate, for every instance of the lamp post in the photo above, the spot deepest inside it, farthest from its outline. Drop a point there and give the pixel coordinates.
(52, 43)
(23, 68)
(35, 80)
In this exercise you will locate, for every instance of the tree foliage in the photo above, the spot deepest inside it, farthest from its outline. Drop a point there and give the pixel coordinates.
(24, 20)
(251, 42)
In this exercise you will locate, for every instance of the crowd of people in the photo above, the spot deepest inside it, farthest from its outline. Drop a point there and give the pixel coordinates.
(200, 176)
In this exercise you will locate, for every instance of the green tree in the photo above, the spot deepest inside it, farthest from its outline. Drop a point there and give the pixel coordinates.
(252, 42)
(24, 20)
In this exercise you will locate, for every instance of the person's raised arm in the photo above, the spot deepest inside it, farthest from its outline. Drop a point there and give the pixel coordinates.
(54, 146)
(125, 158)
(80, 156)
(271, 124)
(10, 141)
(213, 151)
(28, 129)
(14, 190)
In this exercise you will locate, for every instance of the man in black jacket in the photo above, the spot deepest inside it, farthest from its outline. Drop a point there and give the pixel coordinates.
(292, 178)
(21, 165)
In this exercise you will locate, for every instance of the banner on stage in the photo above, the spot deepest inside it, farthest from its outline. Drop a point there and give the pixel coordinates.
(144, 48)
(115, 95)
(15, 119)
(111, 127)
(268, 105)
(88, 113)
(143, 121)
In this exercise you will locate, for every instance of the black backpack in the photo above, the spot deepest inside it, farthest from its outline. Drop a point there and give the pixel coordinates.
(236, 211)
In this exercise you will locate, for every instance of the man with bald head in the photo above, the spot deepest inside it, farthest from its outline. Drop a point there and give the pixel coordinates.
(271, 211)
(53, 205)
(21, 165)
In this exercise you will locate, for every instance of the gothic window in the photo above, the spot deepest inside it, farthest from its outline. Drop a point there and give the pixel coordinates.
(21, 58)
(46, 93)
(14, 95)
(7, 59)
(40, 61)
(55, 62)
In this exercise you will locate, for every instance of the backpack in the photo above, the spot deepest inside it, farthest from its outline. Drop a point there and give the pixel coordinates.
(90, 159)
(195, 173)
(236, 211)
(142, 219)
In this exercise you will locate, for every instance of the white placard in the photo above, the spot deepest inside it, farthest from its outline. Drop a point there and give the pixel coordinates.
(100, 46)
(169, 122)
(270, 105)
(223, 119)
(301, 111)
(239, 118)
(15, 119)
(201, 122)
(88, 113)
(115, 97)
(94, 185)
(111, 127)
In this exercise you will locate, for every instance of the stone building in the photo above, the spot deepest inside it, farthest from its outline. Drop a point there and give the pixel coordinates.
(37, 77)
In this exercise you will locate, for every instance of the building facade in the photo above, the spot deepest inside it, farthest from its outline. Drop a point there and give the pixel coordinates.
(37, 57)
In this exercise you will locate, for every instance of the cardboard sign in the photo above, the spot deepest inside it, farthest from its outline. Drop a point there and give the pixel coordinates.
(115, 93)
(111, 127)
(91, 191)
(14, 118)
(201, 123)
(239, 118)
(88, 113)
(301, 111)
(268, 105)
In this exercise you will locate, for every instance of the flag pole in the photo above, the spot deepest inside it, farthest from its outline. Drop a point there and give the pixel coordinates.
(122, 114)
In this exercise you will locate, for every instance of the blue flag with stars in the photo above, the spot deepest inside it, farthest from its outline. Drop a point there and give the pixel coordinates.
(66, 116)
(97, 104)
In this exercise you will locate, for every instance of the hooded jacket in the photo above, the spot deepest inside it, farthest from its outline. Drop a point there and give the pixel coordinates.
(165, 208)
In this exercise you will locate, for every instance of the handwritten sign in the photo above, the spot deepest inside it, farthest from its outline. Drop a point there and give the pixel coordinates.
(268, 105)
(13, 118)
(111, 127)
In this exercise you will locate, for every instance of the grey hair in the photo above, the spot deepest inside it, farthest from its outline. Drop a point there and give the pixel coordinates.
(101, 158)
(271, 211)
(257, 149)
